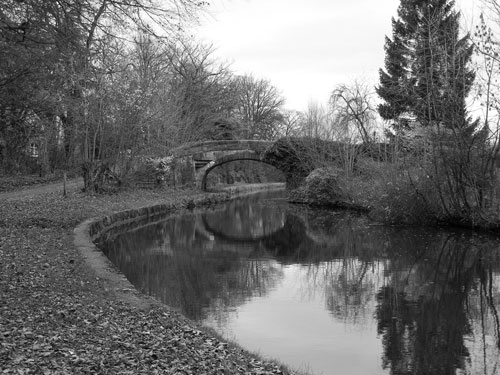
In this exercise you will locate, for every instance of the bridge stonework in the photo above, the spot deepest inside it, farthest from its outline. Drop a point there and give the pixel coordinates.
(296, 157)
(195, 161)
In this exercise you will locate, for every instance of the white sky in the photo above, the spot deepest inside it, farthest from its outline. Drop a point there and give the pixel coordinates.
(304, 47)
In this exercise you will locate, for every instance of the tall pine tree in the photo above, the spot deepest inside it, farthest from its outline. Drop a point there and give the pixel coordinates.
(427, 75)
(396, 80)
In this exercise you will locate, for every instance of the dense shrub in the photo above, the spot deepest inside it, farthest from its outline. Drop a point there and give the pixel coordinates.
(395, 193)
(325, 186)
(297, 157)
(402, 202)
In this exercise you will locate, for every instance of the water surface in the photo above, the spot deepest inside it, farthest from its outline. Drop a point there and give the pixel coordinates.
(325, 291)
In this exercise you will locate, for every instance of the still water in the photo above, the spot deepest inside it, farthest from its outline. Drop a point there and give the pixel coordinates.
(325, 291)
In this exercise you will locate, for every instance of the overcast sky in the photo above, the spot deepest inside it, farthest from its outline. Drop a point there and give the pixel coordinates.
(304, 47)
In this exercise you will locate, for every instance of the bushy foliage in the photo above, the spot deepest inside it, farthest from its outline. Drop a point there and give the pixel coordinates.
(402, 202)
(394, 193)
(161, 167)
(297, 157)
(326, 186)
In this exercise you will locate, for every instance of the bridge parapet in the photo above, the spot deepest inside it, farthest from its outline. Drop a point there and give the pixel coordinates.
(222, 145)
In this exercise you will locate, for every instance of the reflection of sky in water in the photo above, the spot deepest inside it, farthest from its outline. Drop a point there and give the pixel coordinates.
(293, 325)
(325, 291)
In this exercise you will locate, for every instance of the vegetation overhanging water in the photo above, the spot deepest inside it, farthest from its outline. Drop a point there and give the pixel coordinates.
(323, 290)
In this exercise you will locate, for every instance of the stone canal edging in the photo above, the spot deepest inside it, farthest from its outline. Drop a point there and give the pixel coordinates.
(113, 281)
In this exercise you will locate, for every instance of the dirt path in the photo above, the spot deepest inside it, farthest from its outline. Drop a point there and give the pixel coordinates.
(71, 185)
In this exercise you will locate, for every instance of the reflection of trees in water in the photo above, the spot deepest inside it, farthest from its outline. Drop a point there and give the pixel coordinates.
(424, 312)
(222, 277)
(348, 287)
(422, 337)
(176, 263)
(255, 278)
(342, 257)
(435, 294)
(483, 310)
(296, 242)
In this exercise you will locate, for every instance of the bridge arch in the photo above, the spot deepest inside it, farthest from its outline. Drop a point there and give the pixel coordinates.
(244, 155)
(292, 156)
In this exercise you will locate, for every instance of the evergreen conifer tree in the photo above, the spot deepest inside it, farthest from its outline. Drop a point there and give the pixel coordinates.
(427, 75)
(395, 81)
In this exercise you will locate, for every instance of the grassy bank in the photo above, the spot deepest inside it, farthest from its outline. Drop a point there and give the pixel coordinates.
(58, 317)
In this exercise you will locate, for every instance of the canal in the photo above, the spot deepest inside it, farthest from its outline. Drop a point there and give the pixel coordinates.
(324, 291)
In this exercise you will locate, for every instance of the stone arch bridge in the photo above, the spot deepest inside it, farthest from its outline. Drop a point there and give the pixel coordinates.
(193, 162)
(295, 157)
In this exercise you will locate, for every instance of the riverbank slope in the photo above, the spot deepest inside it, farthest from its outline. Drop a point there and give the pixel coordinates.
(58, 317)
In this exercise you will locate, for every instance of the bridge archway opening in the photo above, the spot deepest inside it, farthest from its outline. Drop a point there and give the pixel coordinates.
(240, 168)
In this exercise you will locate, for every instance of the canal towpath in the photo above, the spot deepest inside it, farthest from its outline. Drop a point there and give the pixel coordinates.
(57, 317)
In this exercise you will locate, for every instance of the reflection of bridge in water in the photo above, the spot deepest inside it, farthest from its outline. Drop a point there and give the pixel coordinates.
(234, 238)
(287, 241)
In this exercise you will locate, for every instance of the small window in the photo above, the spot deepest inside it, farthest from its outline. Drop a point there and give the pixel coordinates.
(33, 150)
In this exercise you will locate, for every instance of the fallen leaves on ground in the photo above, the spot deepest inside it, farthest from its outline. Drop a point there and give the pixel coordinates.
(57, 318)
(11, 183)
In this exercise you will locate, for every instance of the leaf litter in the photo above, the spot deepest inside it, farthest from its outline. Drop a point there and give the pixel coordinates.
(56, 317)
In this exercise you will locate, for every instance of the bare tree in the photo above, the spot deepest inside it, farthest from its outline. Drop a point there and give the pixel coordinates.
(315, 121)
(259, 107)
(487, 95)
(292, 124)
(67, 42)
(137, 112)
(351, 106)
(202, 92)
